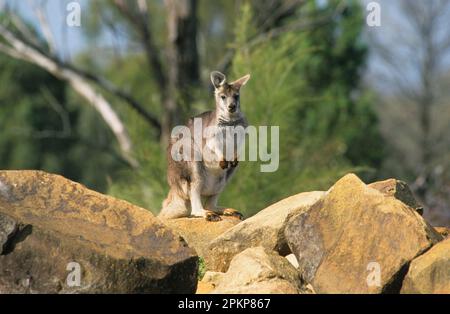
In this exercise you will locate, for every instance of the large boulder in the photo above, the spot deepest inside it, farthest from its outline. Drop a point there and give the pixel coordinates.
(68, 239)
(263, 229)
(198, 232)
(430, 272)
(256, 271)
(357, 239)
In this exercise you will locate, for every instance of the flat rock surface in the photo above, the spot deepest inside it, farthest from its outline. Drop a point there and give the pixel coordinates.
(198, 232)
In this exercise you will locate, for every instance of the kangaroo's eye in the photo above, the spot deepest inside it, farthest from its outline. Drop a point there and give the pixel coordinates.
(236, 96)
(223, 97)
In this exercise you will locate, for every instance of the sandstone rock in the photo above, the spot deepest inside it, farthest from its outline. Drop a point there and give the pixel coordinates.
(7, 229)
(256, 271)
(212, 277)
(443, 231)
(399, 190)
(355, 233)
(67, 232)
(264, 229)
(198, 232)
(430, 272)
(204, 287)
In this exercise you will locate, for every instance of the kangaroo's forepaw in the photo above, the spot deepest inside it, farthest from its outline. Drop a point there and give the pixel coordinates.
(233, 213)
(212, 216)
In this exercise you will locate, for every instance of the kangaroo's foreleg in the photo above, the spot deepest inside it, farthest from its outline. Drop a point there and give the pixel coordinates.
(174, 206)
(197, 207)
(196, 200)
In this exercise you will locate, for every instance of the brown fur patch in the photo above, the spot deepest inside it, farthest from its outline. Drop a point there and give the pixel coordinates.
(227, 90)
(212, 216)
(233, 212)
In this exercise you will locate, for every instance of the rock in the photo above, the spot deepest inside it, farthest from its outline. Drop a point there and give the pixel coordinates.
(204, 287)
(399, 190)
(256, 271)
(430, 272)
(198, 232)
(7, 229)
(71, 240)
(357, 240)
(263, 229)
(212, 277)
(443, 231)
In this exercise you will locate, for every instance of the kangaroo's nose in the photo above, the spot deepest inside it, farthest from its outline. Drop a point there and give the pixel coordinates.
(232, 107)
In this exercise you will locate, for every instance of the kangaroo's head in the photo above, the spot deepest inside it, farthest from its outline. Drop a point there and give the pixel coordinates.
(228, 94)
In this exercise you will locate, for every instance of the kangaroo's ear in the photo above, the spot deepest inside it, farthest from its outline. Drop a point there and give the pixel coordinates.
(241, 82)
(218, 79)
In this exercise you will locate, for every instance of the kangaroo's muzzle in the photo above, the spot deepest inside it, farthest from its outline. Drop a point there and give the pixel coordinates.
(232, 108)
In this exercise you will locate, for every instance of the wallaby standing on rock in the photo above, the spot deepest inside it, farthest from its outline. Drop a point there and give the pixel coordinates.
(195, 185)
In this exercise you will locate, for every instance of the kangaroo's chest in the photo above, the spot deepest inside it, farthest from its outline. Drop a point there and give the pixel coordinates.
(222, 144)
(214, 153)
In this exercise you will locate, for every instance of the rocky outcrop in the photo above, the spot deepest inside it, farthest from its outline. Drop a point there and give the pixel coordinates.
(256, 271)
(198, 232)
(264, 229)
(57, 236)
(443, 231)
(60, 237)
(399, 190)
(430, 272)
(357, 239)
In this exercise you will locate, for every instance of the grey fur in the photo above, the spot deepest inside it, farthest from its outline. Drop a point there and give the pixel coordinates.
(195, 186)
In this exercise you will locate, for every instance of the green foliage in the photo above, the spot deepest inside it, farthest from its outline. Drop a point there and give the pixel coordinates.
(201, 268)
(145, 186)
(43, 127)
(305, 83)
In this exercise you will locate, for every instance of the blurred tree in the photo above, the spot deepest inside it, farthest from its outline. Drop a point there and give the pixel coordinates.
(42, 129)
(312, 92)
(411, 74)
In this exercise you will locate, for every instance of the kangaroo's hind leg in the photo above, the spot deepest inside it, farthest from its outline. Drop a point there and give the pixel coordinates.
(211, 204)
(197, 207)
(174, 206)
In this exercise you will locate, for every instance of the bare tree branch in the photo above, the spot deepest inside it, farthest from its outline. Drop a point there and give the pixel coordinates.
(79, 84)
(181, 58)
(45, 26)
(111, 88)
(140, 23)
(29, 40)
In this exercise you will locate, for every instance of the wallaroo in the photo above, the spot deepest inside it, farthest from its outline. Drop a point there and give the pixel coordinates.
(197, 180)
